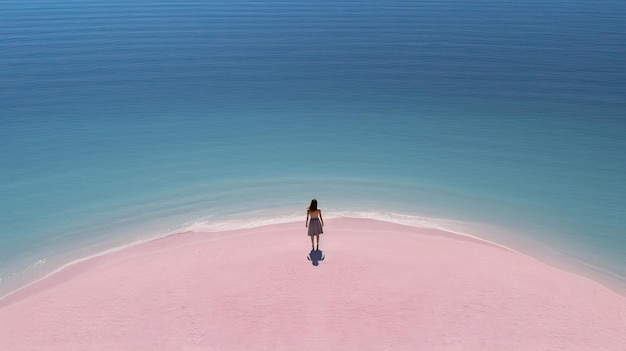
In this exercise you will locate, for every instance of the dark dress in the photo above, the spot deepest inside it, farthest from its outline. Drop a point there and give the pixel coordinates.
(315, 227)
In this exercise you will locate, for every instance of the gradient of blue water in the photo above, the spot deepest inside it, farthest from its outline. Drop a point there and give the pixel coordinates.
(124, 120)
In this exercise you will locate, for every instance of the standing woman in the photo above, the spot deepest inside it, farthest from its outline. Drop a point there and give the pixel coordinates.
(315, 224)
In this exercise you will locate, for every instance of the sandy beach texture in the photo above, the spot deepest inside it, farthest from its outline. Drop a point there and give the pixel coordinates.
(381, 286)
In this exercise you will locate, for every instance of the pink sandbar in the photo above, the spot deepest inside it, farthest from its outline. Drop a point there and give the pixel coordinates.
(382, 286)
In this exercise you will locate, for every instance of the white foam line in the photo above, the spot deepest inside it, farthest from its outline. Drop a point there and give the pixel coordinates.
(446, 225)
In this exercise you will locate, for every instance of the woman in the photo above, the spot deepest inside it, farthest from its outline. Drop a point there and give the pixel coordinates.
(315, 224)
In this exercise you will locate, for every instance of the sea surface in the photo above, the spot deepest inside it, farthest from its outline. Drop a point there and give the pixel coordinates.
(122, 121)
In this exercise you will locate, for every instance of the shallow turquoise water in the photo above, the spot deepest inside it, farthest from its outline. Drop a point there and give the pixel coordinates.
(121, 122)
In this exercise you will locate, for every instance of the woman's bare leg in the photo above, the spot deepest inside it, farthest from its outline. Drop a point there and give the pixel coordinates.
(312, 242)
(318, 241)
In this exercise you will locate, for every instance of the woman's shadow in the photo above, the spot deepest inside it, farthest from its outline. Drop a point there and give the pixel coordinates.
(315, 256)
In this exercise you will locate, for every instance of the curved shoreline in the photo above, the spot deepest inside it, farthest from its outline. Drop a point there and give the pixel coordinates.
(381, 285)
(537, 251)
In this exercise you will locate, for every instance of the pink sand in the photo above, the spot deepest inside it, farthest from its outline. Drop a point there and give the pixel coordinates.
(381, 286)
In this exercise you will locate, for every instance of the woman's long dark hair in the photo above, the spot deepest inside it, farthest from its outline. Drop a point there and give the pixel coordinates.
(313, 205)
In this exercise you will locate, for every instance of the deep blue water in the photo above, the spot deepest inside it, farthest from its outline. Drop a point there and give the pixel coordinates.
(121, 121)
